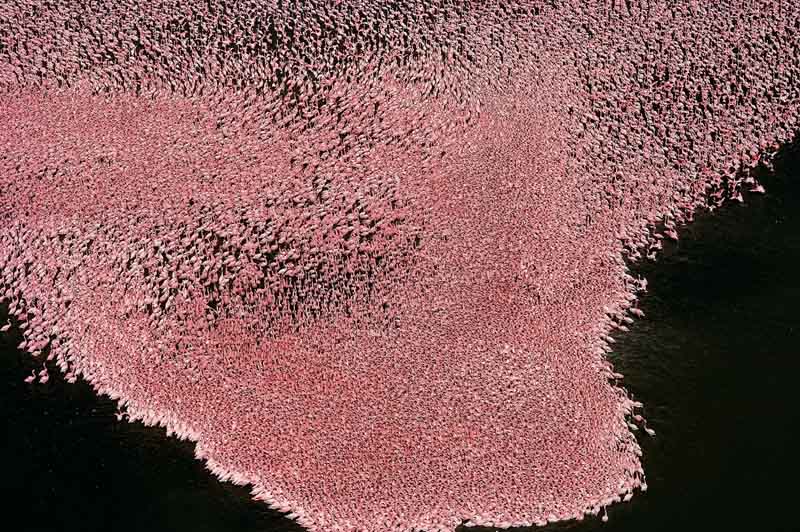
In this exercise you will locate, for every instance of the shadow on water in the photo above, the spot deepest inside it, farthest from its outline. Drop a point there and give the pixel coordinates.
(715, 362)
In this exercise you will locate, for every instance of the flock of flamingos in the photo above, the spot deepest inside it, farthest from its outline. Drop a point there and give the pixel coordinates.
(371, 255)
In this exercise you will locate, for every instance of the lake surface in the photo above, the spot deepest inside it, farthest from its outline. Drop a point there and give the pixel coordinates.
(716, 362)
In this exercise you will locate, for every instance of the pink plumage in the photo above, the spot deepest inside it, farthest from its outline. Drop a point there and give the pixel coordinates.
(369, 256)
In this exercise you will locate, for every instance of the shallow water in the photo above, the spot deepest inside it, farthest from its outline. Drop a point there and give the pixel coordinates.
(715, 362)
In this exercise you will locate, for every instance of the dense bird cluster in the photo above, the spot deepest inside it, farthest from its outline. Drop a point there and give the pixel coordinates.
(370, 255)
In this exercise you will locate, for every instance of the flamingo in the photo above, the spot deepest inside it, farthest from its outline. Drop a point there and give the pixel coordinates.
(270, 187)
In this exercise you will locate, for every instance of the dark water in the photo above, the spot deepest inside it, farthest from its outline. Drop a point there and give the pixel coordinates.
(716, 362)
